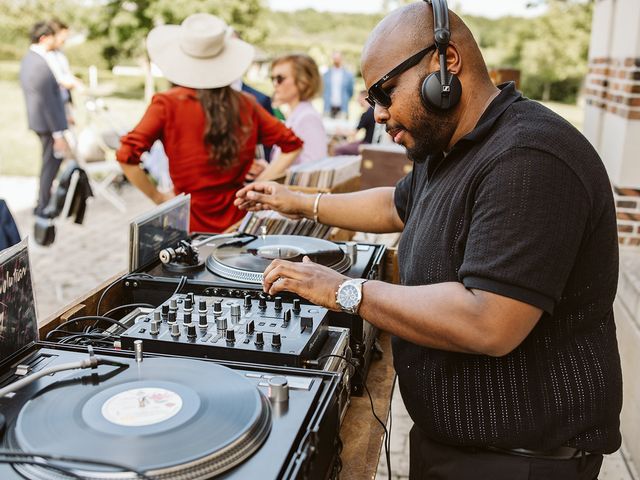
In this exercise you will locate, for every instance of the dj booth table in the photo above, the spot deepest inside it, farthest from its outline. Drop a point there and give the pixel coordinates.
(361, 434)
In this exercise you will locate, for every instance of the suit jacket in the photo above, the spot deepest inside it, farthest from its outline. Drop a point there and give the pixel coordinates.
(263, 99)
(346, 90)
(45, 109)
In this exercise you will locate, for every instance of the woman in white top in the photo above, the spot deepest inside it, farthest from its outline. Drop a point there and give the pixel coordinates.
(296, 80)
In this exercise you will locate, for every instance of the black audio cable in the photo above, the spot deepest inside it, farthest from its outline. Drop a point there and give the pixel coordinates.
(46, 461)
(98, 318)
(115, 282)
(387, 433)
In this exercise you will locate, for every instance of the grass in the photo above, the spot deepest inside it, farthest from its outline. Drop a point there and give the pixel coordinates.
(20, 151)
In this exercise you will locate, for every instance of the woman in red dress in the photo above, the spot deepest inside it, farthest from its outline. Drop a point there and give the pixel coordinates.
(209, 131)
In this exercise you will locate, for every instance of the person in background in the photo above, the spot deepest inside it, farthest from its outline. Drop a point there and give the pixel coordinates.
(45, 108)
(209, 130)
(367, 123)
(504, 338)
(59, 65)
(338, 88)
(296, 80)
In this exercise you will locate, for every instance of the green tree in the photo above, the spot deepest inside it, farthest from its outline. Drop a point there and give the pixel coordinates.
(559, 50)
(124, 24)
(17, 17)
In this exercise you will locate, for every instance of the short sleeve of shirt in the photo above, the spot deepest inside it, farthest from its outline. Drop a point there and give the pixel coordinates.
(401, 195)
(528, 219)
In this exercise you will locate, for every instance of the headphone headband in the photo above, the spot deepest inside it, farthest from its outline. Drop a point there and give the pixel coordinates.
(438, 91)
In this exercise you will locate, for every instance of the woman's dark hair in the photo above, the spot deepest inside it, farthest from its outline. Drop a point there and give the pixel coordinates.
(223, 132)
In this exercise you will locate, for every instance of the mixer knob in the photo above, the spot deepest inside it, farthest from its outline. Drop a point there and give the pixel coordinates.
(187, 318)
(175, 330)
(259, 339)
(287, 316)
(235, 312)
(278, 303)
(247, 302)
(191, 331)
(202, 321)
(278, 389)
(202, 305)
(296, 305)
(217, 307)
(173, 304)
(276, 342)
(230, 335)
(156, 316)
(172, 317)
(165, 311)
(188, 302)
(155, 327)
(221, 323)
(262, 302)
(249, 327)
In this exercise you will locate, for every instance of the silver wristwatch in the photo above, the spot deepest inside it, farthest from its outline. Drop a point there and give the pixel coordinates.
(349, 295)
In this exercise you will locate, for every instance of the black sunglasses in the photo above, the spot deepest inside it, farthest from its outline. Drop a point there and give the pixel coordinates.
(278, 79)
(376, 93)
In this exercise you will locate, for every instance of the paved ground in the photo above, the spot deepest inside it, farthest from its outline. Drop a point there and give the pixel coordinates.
(84, 256)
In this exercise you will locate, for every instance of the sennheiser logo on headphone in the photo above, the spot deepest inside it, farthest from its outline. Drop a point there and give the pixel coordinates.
(446, 88)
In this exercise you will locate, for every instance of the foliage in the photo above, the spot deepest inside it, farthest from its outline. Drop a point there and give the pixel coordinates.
(17, 17)
(550, 50)
(124, 24)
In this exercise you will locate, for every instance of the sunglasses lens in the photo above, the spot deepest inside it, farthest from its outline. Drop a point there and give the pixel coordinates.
(379, 96)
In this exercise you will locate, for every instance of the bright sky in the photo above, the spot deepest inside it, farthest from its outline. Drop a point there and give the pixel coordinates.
(487, 8)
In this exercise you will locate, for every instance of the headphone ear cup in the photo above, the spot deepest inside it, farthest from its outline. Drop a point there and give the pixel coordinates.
(431, 92)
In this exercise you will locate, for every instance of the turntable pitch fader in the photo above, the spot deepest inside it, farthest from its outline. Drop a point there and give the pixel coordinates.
(253, 330)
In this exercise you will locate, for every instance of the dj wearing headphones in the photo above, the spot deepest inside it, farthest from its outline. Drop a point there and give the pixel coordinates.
(504, 337)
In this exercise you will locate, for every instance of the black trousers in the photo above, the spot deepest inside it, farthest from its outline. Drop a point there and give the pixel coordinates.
(48, 172)
(431, 460)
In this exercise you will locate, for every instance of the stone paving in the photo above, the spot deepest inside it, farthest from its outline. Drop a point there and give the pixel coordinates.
(84, 256)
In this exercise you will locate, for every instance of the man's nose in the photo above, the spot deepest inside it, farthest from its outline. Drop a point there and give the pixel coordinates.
(380, 114)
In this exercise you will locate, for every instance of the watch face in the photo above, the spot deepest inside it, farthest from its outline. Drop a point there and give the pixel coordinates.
(349, 296)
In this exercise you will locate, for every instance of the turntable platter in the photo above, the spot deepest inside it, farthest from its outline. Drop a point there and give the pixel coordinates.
(247, 260)
(214, 417)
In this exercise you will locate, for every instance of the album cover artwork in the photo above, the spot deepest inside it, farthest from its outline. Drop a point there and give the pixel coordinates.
(18, 322)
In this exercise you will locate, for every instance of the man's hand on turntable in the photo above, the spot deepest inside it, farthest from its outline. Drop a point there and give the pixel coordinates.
(315, 282)
(273, 196)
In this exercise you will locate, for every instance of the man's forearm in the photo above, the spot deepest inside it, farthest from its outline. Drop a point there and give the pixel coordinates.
(365, 211)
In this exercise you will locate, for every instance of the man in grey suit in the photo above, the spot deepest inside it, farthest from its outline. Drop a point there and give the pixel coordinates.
(45, 108)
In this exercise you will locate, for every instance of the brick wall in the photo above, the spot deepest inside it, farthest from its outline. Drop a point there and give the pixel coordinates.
(628, 213)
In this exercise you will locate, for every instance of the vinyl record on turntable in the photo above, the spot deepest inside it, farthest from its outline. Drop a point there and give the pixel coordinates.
(163, 418)
(246, 260)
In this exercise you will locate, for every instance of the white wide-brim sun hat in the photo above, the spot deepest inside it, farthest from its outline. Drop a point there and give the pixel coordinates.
(199, 53)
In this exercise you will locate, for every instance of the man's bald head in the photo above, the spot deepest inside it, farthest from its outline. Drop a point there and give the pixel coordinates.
(408, 30)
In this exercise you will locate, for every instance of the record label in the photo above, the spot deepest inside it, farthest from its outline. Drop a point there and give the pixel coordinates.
(141, 406)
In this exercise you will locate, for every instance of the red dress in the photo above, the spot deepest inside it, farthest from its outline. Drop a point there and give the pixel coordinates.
(176, 117)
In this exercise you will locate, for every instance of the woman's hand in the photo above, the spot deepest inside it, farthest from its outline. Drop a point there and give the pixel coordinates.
(257, 167)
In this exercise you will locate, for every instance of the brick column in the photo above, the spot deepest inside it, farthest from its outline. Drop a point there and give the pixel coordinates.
(612, 111)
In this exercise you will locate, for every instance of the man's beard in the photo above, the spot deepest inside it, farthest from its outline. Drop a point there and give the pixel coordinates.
(431, 132)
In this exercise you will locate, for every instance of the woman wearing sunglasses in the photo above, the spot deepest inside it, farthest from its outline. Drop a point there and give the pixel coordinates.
(296, 80)
(209, 131)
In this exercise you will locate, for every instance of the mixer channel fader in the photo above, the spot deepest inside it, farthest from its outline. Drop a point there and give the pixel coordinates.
(255, 330)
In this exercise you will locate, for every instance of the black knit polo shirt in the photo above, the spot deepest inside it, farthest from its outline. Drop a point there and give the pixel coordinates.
(522, 207)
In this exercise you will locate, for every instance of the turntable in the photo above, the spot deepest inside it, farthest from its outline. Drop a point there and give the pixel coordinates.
(166, 418)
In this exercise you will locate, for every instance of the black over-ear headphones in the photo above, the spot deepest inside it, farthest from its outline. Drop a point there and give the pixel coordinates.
(441, 90)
